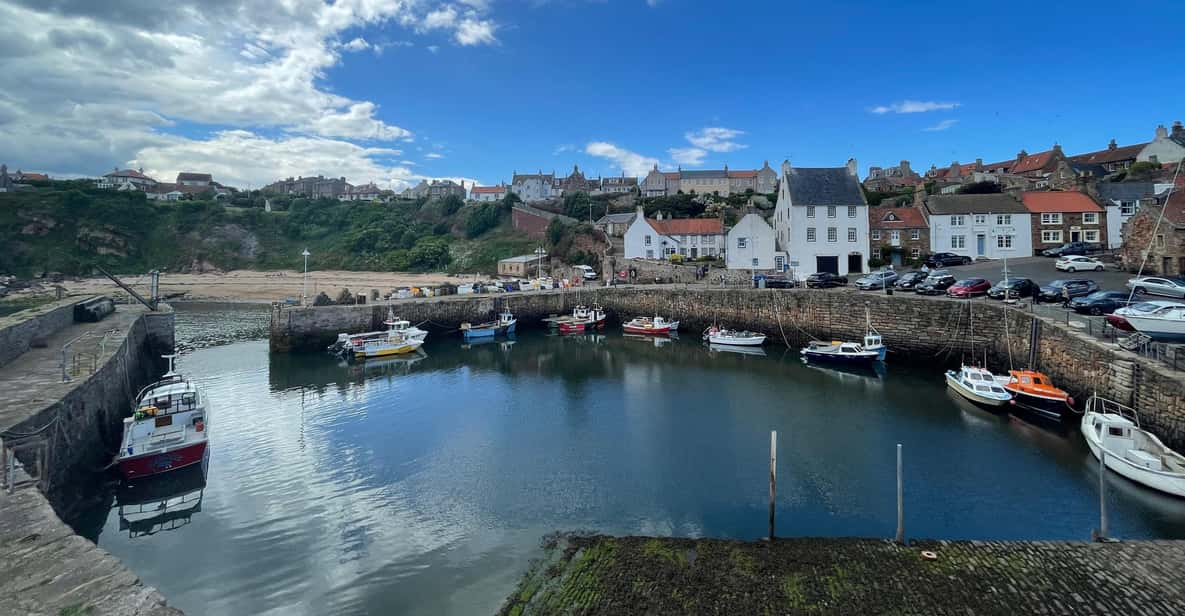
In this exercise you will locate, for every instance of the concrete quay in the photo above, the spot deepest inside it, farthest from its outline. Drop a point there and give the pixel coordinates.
(644, 575)
(63, 432)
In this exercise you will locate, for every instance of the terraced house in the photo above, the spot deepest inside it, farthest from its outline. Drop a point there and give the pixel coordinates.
(1157, 244)
(821, 220)
(722, 182)
(898, 233)
(1064, 216)
(660, 238)
(991, 226)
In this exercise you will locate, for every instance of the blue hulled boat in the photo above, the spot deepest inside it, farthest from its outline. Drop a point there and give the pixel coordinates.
(504, 324)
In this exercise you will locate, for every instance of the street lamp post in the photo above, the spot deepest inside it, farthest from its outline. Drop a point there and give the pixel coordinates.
(304, 286)
(539, 252)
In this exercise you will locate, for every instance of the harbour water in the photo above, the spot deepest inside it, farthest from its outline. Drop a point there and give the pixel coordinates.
(423, 484)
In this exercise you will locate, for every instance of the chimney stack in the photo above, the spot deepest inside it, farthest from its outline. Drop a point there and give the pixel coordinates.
(1162, 132)
(1112, 145)
(1178, 130)
(1021, 155)
(852, 167)
(905, 170)
(1057, 148)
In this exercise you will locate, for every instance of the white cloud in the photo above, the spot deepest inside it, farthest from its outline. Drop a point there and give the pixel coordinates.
(909, 106)
(715, 139)
(630, 162)
(943, 125)
(433, 48)
(433, 155)
(688, 156)
(475, 32)
(560, 149)
(358, 44)
(445, 17)
(651, 3)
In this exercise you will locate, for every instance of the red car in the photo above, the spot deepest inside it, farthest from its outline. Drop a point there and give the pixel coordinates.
(969, 287)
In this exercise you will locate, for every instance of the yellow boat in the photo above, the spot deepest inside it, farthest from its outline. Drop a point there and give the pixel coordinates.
(396, 342)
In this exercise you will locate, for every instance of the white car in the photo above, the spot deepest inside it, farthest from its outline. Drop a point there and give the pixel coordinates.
(1078, 263)
(587, 272)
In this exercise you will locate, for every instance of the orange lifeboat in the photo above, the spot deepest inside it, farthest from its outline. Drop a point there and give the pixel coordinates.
(1034, 391)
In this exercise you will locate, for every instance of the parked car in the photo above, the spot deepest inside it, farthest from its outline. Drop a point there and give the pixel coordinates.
(969, 287)
(1100, 302)
(877, 280)
(935, 285)
(1061, 290)
(910, 280)
(1015, 288)
(1073, 248)
(586, 271)
(823, 280)
(942, 259)
(1078, 263)
(1157, 285)
(778, 281)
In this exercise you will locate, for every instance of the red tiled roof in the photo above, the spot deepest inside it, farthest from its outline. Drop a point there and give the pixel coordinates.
(966, 169)
(1000, 165)
(1127, 152)
(1069, 201)
(1174, 208)
(128, 173)
(1033, 162)
(24, 175)
(742, 174)
(906, 218)
(671, 175)
(688, 226)
(488, 190)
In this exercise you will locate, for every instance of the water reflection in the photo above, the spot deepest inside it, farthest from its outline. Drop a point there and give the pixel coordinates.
(739, 350)
(160, 503)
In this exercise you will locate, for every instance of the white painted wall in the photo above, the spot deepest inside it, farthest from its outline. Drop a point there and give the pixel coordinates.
(635, 240)
(759, 243)
(803, 254)
(1164, 149)
(1020, 227)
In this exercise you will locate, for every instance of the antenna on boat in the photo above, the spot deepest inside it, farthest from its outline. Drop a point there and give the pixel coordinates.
(172, 359)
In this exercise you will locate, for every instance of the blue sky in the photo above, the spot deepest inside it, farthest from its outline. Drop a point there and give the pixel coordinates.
(396, 91)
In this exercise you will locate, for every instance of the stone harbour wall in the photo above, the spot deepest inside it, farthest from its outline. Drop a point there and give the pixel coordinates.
(19, 332)
(916, 329)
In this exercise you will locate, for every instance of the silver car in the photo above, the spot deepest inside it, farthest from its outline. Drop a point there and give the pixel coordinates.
(877, 280)
(1158, 285)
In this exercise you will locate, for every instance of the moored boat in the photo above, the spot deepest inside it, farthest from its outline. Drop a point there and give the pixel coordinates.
(1034, 391)
(656, 326)
(1163, 323)
(839, 351)
(977, 385)
(504, 324)
(1131, 451)
(395, 342)
(732, 337)
(349, 343)
(167, 429)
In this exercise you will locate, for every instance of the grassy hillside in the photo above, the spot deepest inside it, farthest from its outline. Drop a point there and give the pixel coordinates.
(70, 227)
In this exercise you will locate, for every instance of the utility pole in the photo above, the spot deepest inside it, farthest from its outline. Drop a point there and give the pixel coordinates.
(304, 286)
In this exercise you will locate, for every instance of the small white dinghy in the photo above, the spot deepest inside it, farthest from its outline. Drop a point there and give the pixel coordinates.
(977, 385)
(732, 337)
(1131, 451)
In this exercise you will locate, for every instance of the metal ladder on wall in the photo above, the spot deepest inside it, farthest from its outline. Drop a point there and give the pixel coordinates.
(25, 460)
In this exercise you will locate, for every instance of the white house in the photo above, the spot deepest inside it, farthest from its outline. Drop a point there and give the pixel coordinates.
(133, 179)
(365, 192)
(1167, 147)
(1122, 200)
(534, 186)
(751, 245)
(659, 238)
(821, 220)
(991, 226)
(487, 193)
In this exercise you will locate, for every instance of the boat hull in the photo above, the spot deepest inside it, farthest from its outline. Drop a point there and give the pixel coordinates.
(648, 331)
(737, 341)
(1041, 406)
(952, 381)
(1158, 329)
(572, 328)
(487, 332)
(159, 462)
(1169, 483)
(841, 358)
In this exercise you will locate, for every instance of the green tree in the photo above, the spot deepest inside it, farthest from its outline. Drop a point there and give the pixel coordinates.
(452, 204)
(429, 253)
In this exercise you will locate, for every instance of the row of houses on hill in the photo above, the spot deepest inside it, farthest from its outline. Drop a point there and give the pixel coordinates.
(16, 182)
(187, 184)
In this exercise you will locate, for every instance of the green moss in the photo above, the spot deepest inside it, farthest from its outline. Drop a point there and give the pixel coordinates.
(24, 302)
(77, 610)
(659, 549)
(794, 591)
(741, 561)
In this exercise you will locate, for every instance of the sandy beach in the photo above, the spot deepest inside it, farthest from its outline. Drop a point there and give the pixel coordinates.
(252, 286)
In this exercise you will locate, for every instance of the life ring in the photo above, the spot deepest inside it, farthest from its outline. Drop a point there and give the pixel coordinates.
(928, 555)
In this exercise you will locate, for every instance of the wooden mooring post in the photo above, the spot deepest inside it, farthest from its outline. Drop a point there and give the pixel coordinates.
(773, 478)
(1101, 533)
(900, 499)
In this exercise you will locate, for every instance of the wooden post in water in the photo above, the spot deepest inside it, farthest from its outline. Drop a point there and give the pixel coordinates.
(773, 477)
(1102, 534)
(900, 499)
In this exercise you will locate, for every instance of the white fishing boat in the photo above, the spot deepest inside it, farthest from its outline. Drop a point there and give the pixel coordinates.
(167, 430)
(348, 343)
(395, 342)
(1130, 450)
(839, 351)
(977, 385)
(1163, 323)
(872, 338)
(732, 337)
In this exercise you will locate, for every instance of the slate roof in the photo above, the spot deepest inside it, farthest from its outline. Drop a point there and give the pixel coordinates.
(622, 218)
(688, 226)
(974, 204)
(185, 176)
(885, 217)
(1125, 191)
(742, 174)
(823, 186)
(1109, 155)
(1054, 201)
(128, 173)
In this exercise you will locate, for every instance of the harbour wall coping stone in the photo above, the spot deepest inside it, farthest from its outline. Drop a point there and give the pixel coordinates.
(20, 331)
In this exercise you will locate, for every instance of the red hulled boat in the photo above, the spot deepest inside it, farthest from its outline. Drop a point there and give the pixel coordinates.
(167, 429)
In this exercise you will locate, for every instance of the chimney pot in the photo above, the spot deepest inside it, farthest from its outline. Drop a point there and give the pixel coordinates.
(852, 167)
(1162, 132)
(1178, 130)
(1112, 145)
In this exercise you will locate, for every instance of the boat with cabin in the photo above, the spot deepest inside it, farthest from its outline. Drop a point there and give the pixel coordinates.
(839, 351)
(349, 343)
(504, 324)
(396, 341)
(651, 326)
(1113, 429)
(731, 337)
(1035, 392)
(977, 385)
(168, 428)
(1162, 323)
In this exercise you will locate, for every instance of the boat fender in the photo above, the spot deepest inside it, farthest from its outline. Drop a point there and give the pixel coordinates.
(928, 555)
(199, 425)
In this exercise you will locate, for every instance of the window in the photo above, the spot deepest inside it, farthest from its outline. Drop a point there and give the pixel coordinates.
(742, 242)
(832, 234)
(1090, 218)
(754, 261)
(981, 219)
(1127, 208)
(1003, 219)
(957, 221)
(647, 240)
(810, 211)
(649, 254)
(831, 211)
(1051, 237)
(915, 252)
(1051, 219)
(876, 253)
(851, 211)
(1090, 235)
(1003, 241)
(958, 241)
(876, 234)
(683, 251)
(915, 234)
(1160, 241)
(895, 236)
(810, 234)
(695, 240)
(851, 234)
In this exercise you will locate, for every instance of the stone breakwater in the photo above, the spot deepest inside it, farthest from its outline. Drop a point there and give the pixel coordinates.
(917, 329)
